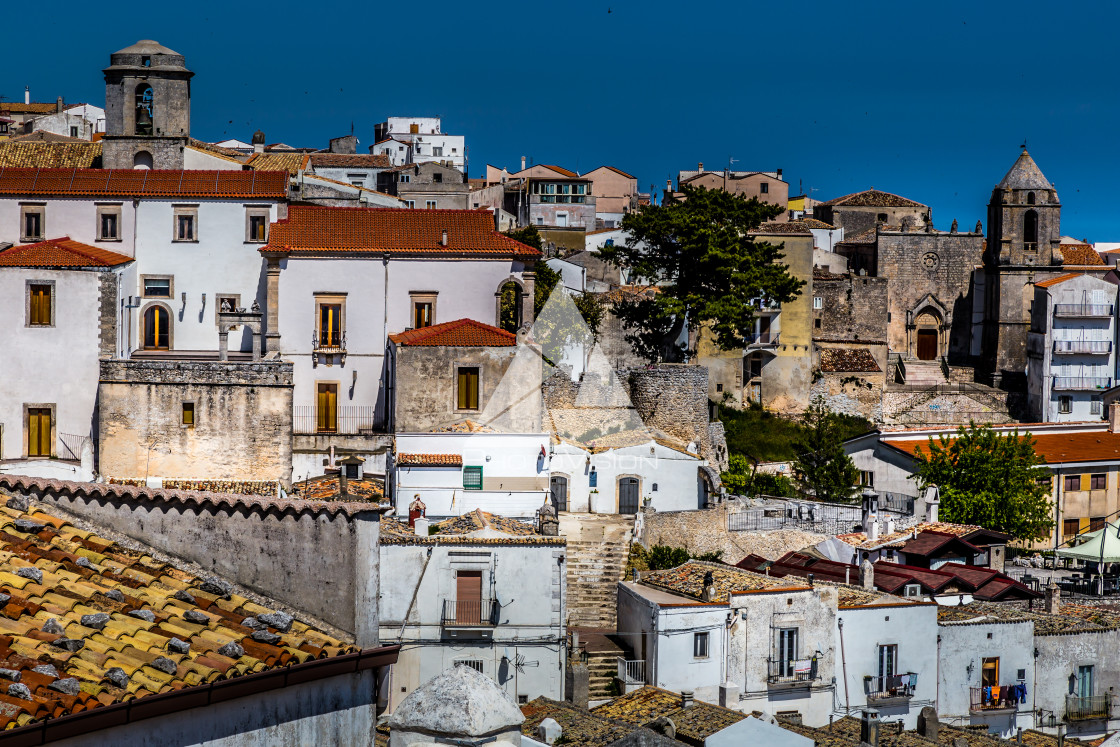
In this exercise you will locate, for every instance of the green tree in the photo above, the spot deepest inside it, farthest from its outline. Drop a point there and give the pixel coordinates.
(824, 470)
(708, 269)
(546, 279)
(591, 309)
(528, 235)
(994, 480)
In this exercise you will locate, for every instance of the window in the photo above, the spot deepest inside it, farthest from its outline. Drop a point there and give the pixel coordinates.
(719, 387)
(787, 651)
(1030, 230)
(472, 478)
(437, 150)
(256, 225)
(1097, 482)
(109, 223)
(404, 178)
(430, 204)
(989, 672)
(1070, 527)
(468, 598)
(188, 414)
(881, 217)
(1084, 682)
(700, 645)
(326, 407)
(157, 328)
(39, 425)
(330, 325)
(437, 178)
(1095, 405)
(764, 188)
(867, 478)
(186, 224)
(423, 309)
(1096, 523)
(410, 204)
(1073, 482)
(818, 302)
(817, 323)
(31, 222)
(467, 391)
(888, 661)
(1044, 482)
(40, 306)
(73, 131)
(475, 664)
(157, 287)
(1065, 404)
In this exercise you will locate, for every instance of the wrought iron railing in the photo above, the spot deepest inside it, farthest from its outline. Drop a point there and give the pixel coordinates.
(1083, 708)
(1076, 383)
(346, 420)
(782, 671)
(70, 446)
(892, 686)
(468, 612)
(335, 345)
(631, 671)
(996, 698)
(763, 338)
(1083, 309)
(1091, 347)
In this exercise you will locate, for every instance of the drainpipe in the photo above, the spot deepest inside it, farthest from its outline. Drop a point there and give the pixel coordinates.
(844, 666)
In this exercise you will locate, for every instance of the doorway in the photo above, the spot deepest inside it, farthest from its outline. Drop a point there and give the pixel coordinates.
(326, 408)
(558, 487)
(628, 495)
(38, 431)
(927, 344)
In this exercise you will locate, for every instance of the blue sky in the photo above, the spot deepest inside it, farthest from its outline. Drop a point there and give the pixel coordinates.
(928, 100)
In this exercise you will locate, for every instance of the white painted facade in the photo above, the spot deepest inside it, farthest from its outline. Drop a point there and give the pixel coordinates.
(669, 478)
(426, 143)
(961, 651)
(80, 121)
(515, 476)
(572, 276)
(196, 159)
(523, 651)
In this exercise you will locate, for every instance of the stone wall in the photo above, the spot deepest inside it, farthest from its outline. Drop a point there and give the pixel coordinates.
(673, 398)
(853, 308)
(107, 314)
(242, 420)
(982, 404)
(612, 341)
(859, 394)
(120, 152)
(706, 531)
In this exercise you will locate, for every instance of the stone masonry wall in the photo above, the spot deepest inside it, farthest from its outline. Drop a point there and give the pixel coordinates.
(853, 308)
(859, 394)
(107, 314)
(673, 398)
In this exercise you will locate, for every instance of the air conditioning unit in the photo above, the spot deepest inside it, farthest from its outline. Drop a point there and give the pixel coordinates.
(912, 590)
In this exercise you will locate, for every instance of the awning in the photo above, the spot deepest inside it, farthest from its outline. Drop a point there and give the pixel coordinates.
(1102, 545)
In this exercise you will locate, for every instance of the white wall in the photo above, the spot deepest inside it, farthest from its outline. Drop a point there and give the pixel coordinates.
(573, 276)
(200, 160)
(75, 217)
(960, 654)
(675, 473)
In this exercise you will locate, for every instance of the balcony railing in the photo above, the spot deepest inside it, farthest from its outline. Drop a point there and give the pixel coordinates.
(787, 671)
(471, 613)
(763, 338)
(1089, 347)
(1081, 383)
(631, 671)
(1089, 707)
(348, 420)
(892, 686)
(70, 446)
(1006, 697)
(335, 344)
(1082, 309)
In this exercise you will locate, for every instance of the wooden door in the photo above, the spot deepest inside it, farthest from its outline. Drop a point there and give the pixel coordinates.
(326, 408)
(927, 344)
(989, 673)
(628, 495)
(558, 487)
(39, 431)
(468, 597)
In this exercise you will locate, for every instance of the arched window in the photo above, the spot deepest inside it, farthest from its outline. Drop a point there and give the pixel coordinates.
(509, 309)
(157, 328)
(143, 160)
(1030, 198)
(1030, 230)
(144, 113)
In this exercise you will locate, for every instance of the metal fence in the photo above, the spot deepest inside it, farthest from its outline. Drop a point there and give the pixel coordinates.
(1088, 707)
(1082, 383)
(70, 446)
(631, 671)
(792, 670)
(1082, 309)
(471, 612)
(346, 420)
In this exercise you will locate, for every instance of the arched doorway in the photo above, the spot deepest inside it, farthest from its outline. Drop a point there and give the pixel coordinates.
(509, 306)
(927, 331)
(558, 492)
(157, 328)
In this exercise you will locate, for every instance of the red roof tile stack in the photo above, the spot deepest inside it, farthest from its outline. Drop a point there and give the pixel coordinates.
(144, 183)
(63, 252)
(463, 333)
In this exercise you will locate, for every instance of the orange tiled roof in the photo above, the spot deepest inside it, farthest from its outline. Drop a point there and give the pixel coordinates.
(357, 230)
(1058, 279)
(49, 155)
(872, 198)
(350, 160)
(1054, 448)
(430, 460)
(143, 183)
(16, 107)
(87, 623)
(559, 170)
(292, 162)
(1080, 254)
(64, 252)
(478, 519)
(461, 333)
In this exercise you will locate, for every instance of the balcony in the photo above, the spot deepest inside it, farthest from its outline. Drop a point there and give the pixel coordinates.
(1086, 347)
(894, 689)
(792, 671)
(987, 699)
(1081, 383)
(1083, 310)
(348, 420)
(762, 338)
(1088, 708)
(473, 618)
(325, 348)
(631, 673)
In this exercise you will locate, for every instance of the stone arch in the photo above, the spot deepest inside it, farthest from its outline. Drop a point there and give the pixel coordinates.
(145, 109)
(927, 328)
(143, 160)
(1030, 229)
(1030, 198)
(156, 327)
(510, 286)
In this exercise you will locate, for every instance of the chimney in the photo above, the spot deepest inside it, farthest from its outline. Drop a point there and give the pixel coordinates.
(779, 173)
(890, 525)
(928, 724)
(933, 503)
(686, 698)
(549, 731)
(1114, 417)
(522, 163)
(700, 166)
(258, 141)
(873, 530)
(709, 591)
(1053, 599)
(58, 104)
(870, 513)
(27, 94)
(869, 728)
(443, 238)
(342, 487)
(867, 575)
(420, 526)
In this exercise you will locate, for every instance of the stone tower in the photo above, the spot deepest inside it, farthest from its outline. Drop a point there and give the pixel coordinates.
(147, 108)
(1024, 218)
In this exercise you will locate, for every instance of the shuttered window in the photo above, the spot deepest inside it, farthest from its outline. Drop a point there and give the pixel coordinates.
(330, 325)
(326, 408)
(468, 388)
(472, 478)
(40, 311)
(39, 431)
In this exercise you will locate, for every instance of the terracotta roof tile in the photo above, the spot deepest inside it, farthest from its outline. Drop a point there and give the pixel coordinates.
(292, 162)
(478, 520)
(794, 226)
(872, 198)
(1059, 279)
(16, 107)
(848, 359)
(463, 333)
(350, 160)
(63, 252)
(355, 230)
(695, 723)
(1079, 254)
(144, 183)
(688, 580)
(72, 611)
(49, 155)
(1054, 448)
(327, 488)
(430, 460)
(580, 728)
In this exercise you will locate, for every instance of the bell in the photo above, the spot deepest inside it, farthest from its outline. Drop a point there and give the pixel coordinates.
(143, 121)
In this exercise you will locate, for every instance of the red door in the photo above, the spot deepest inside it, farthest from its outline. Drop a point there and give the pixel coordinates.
(927, 344)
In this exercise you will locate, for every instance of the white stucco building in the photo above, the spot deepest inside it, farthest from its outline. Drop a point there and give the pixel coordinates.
(486, 592)
(419, 140)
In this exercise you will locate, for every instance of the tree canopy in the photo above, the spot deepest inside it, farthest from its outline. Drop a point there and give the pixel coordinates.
(824, 469)
(708, 269)
(994, 480)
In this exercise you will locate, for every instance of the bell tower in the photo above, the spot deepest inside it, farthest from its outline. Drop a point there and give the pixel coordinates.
(147, 108)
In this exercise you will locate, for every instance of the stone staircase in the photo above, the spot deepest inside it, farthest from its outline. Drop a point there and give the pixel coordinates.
(602, 668)
(924, 373)
(598, 547)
